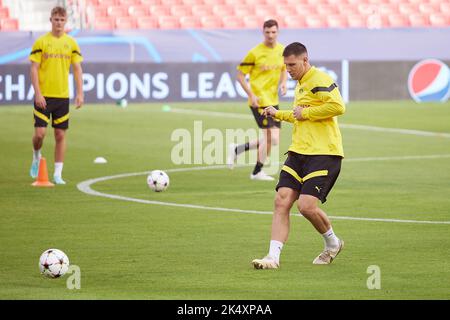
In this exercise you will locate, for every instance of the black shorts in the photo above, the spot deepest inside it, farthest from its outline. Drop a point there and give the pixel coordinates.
(57, 108)
(263, 122)
(314, 175)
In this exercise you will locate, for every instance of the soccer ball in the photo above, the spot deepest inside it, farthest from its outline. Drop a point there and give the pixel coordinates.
(158, 180)
(53, 263)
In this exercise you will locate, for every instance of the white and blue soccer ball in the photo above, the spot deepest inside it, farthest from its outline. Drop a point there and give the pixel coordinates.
(158, 180)
(53, 263)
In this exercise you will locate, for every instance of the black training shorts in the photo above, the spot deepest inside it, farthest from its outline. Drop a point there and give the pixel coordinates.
(263, 122)
(314, 175)
(57, 108)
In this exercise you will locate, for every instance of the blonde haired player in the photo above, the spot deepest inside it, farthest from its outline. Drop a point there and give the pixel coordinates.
(51, 57)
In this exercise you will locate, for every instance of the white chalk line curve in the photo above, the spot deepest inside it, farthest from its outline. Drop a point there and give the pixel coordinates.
(85, 187)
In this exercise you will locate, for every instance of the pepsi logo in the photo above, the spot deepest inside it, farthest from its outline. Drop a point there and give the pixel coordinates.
(429, 80)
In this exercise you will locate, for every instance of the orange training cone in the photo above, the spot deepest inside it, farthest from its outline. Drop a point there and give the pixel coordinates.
(42, 178)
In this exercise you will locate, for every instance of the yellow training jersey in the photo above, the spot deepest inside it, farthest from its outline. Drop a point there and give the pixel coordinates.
(55, 55)
(264, 65)
(318, 133)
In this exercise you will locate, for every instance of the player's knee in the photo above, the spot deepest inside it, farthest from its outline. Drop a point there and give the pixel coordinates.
(282, 200)
(59, 135)
(307, 209)
(39, 136)
(275, 141)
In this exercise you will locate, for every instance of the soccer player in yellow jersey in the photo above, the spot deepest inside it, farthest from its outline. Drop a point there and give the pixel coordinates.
(264, 64)
(51, 57)
(314, 158)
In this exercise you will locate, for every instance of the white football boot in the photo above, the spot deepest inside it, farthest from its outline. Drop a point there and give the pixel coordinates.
(261, 176)
(328, 255)
(232, 155)
(265, 263)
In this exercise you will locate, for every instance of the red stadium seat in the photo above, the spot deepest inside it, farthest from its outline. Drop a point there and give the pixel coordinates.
(138, 11)
(294, 21)
(211, 22)
(170, 3)
(265, 10)
(398, 21)
(9, 24)
(354, 2)
(150, 2)
(357, 21)
(337, 2)
(213, 2)
(223, 10)
(190, 22)
(445, 8)
(180, 11)
(147, 23)
(4, 13)
(243, 10)
(117, 11)
(315, 21)
(428, 8)
(126, 23)
(107, 3)
(168, 22)
(439, 20)
(337, 21)
(159, 10)
(97, 12)
(408, 8)
(192, 2)
(367, 9)
(252, 22)
(417, 1)
(284, 10)
(419, 20)
(315, 2)
(232, 22)
(255, 3)
(377, 2)
(347, 9)
(201, 10)
(104, 23)
(91, 2)
(304, 9)
(326, 9)
(128, 3)
(376, 21)
(236, 2)
(387, 9)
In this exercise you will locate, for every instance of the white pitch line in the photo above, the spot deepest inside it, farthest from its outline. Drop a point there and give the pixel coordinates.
(342, 125)
(85, 187)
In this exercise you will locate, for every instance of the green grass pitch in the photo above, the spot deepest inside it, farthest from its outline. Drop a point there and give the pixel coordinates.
(130, 250)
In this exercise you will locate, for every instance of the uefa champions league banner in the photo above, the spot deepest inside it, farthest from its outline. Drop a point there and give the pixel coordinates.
(136, 82)
(423, 81)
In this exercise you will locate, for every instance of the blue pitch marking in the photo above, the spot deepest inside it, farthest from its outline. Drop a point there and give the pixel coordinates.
(91, 40)
(205, 44)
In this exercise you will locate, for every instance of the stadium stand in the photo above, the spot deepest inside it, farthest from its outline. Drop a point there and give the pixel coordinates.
(232, 14)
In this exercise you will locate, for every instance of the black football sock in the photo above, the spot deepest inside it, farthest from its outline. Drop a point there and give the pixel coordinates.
(258, 167)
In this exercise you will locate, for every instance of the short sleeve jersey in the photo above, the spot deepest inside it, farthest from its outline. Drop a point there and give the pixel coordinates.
(264, 65)
(55, 55)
